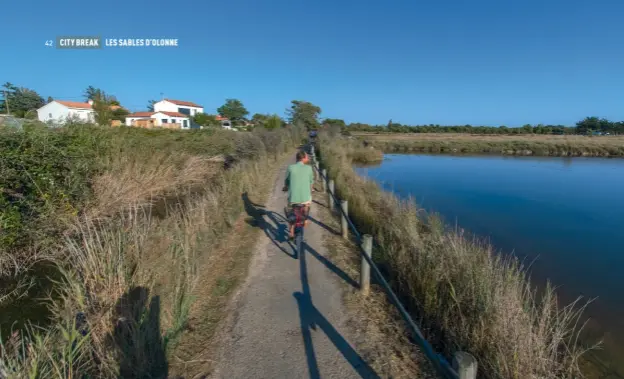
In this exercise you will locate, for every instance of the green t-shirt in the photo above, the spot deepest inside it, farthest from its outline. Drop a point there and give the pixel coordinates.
(299, 180)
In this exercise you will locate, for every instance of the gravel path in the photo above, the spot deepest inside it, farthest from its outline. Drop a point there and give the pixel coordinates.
(288, 321)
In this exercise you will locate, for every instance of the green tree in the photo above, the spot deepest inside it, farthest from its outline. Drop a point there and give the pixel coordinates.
(528, 128)
(150, 105)
(335, 122)
(50, 99)
(259, 119)
(103, 113)
(102, 105)
(204, 119)
(20, 100)
(233, 109)
(304, 113)
(588, 125)
(273, 122)
(119, 114)
(92, 93)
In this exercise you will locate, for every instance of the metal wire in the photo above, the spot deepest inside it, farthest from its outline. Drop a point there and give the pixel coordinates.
(439, 363)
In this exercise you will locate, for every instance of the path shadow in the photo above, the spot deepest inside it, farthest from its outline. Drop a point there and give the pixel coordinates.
(319, 203)
(324, 226)
(137, 338)
(274, 225)
(310, 318)
(331, 266)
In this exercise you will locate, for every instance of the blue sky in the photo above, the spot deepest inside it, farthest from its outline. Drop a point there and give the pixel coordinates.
(479, 62)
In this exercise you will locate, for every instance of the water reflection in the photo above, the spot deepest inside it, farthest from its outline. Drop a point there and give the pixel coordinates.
(565, 214)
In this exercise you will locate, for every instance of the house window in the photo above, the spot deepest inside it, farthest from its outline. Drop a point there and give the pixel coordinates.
(172, 121)
(50, 115)
(185, 123)
(164, 120)
(184, 111)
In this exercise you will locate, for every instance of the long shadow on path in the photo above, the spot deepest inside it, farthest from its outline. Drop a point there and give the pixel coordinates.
(311, 318)
(275, 227)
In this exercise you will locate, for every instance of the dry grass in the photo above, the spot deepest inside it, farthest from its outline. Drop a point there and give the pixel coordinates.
(129, 281)
(547, 145)
(465, 295)
(382, 338)
(128, 181)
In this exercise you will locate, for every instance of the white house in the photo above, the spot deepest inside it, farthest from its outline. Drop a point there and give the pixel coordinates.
(184, 107)
(58, 111)
(160, 119)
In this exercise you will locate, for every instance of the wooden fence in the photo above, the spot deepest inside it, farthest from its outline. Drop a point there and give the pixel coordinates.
(464, 365)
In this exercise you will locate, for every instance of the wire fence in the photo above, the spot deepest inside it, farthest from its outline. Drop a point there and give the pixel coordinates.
(439, 363)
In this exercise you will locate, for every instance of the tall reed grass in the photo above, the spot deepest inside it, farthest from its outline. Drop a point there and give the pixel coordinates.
(465, 295)
(128, 259)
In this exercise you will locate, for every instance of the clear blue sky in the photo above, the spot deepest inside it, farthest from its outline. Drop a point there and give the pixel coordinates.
(489, 62)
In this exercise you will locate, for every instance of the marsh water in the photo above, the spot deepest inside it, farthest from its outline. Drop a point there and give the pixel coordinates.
(563, 216)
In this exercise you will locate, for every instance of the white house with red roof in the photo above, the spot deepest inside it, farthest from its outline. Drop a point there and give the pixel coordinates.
(185, 107)
(158, 119)
(166, 113)
(59, 111)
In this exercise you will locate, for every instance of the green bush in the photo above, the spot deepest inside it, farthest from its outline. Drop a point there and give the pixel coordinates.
(46, 174)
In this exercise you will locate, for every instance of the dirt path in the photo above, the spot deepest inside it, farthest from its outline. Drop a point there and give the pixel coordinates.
(288, 320)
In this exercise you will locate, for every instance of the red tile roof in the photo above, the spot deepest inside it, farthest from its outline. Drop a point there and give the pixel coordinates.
(74, 104)
(175, 114)
(185, 103)
(221, 118)
(141, 114)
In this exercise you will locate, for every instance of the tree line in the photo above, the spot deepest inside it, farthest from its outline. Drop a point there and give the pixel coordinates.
(588, 125)
(23, 102)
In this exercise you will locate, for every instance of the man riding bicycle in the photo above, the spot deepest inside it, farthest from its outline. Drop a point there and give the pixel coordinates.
(299, 183)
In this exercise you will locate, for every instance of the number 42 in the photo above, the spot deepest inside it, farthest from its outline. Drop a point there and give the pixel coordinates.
(49, 43)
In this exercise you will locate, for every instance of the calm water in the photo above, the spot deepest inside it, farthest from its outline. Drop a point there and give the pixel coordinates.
(567, 214)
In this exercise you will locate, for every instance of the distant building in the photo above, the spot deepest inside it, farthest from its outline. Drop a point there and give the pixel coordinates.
(59, 111)
(168, 113)
(225, 122)
(169, 120)
(185, 107)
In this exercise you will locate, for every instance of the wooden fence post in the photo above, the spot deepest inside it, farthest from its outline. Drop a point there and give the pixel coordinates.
(367, 246)
(465, 365)
(323, 180)
(344, 226)
(330, 200)
(316, 170)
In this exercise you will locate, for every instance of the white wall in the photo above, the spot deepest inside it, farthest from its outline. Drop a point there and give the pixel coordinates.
(165, 106)
(129, 120)
(177, 120)
(58, 113)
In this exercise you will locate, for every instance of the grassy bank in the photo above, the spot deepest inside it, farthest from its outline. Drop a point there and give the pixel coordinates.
(129, 221)
(464, 295)
(538, 145)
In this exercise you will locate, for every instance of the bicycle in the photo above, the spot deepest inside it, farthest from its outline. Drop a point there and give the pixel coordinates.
(295, 214)
(297, 218)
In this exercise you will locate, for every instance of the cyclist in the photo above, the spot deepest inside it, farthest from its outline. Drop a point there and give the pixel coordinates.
(299, 184)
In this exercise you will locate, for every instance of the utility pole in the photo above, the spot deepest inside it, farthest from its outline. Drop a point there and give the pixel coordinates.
(6, 102)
